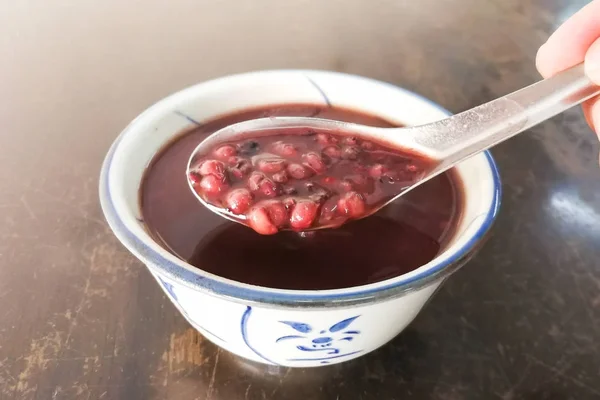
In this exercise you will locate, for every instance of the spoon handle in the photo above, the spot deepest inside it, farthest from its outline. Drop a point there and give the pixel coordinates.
(480, 128)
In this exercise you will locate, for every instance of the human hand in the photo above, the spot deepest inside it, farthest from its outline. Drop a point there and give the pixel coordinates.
(576, 41)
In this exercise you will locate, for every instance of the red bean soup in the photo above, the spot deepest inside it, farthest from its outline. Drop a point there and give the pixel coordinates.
(286, 183)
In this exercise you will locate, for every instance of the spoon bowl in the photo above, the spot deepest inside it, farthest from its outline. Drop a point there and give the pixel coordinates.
(445, 142)
(392, 137)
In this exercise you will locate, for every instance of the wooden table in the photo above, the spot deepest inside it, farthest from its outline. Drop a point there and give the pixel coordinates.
(82, 319)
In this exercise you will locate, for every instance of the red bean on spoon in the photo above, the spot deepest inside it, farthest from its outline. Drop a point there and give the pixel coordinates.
(303, 214)
(224, 152)
(239, 200)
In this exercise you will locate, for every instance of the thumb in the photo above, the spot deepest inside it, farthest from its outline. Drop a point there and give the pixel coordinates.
(592, 62)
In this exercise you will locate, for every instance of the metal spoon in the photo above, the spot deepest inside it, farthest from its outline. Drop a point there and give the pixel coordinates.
(448, 141)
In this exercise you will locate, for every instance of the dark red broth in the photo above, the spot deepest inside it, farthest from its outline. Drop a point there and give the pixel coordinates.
(396, 240)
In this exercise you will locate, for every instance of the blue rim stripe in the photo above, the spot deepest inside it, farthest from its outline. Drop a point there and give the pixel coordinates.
(233, 289)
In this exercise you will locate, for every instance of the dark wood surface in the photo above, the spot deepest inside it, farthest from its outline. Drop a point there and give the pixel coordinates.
(82, 319)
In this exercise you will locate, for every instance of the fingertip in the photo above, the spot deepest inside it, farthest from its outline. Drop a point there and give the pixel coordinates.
(592, 62)
(591, 111)
(568, 45)
(542, 61)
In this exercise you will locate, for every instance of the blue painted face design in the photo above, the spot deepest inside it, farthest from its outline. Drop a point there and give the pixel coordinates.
(320, 347)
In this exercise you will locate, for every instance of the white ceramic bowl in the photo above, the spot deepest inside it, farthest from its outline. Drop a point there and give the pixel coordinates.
(287, 327)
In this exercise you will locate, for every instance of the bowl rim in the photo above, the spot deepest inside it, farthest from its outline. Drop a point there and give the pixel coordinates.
(197, 279)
